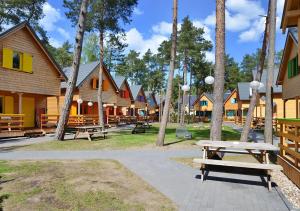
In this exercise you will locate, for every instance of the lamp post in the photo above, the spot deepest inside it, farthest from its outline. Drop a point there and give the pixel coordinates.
(79, 102)
(209, 80)
(185, 88)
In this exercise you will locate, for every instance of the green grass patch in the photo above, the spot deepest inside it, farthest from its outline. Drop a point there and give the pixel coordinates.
(125, 139)
(76, 185)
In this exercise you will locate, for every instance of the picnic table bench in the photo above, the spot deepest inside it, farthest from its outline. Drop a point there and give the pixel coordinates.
(140, 127)
(260, 151)
(89, 131)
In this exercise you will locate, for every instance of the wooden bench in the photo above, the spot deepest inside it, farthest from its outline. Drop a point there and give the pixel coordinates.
(261, 166)
(89, 131)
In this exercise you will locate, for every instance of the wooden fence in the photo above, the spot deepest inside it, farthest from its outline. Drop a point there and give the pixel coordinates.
(289, 157)
(50, 121)
(11, 122)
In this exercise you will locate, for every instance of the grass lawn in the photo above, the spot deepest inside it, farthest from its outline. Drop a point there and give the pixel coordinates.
(75, 185)
(124, 139)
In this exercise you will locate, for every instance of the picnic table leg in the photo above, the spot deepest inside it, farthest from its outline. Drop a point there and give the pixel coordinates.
(203, 166)
(76, 134)
(88, 136)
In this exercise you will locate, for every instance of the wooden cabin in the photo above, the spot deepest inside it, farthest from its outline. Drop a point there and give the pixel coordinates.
(203, 106)
(139, 105)
(28, 75)
(86, 90)
(244, 93)
(153, 105)
(289, 77)
(231, 106)
(124, 98)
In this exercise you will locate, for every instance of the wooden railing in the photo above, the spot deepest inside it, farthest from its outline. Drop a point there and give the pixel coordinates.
(51, 120)
(11, 122)
(289, 157)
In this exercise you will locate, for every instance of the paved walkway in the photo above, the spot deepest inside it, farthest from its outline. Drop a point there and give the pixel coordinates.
(221, 191)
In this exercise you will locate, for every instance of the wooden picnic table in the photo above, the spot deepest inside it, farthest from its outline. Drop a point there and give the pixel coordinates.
(89, 131)
(260, 151)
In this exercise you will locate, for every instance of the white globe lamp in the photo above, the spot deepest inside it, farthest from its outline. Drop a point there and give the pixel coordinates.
(79, 101)
(90, 104)
(254, 84)
(209, 80)
(185, 88)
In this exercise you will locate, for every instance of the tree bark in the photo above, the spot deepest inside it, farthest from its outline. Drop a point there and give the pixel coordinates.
(270, 75)
(179, 99)
(253, 100)
(100, 82)
(64, 117)
(163, 124)
(217, 113)
(184, 98)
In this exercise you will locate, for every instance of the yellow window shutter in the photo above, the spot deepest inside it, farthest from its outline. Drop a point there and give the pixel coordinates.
(7, 61)
(27, 63)
(105, 85)
(8, 105)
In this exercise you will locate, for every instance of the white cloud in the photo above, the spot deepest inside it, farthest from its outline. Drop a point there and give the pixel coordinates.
(55, 43)
(137, 11)
(210, 56)
(163, 28)
(64, 33)
(254, 32)
(137, 42)
(52, 16)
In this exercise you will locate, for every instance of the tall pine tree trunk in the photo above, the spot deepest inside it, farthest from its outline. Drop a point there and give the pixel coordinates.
(253, 100)
(64, 117)
(164, 121)
(217, 113)
(178, 102)
(184, 98)
(269, 84)
(100, 82)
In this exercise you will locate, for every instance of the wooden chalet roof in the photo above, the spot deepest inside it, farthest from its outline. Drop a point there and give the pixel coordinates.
(291, 12)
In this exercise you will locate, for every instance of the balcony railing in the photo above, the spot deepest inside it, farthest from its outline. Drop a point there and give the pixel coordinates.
(11, 122)
(289, 157)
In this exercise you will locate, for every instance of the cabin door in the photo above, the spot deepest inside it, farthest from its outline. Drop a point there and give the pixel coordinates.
(28, 109)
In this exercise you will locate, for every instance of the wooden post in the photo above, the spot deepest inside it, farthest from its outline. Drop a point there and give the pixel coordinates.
(297, 107)
(298, 38)
(20, 103)
(281, 138)
(284, 108)
(115, 110)
(296, 146)
(57, 104)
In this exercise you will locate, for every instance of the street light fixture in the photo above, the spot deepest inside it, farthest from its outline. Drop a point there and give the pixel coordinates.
(255, 85)
(90, 104)
(185, 88)
(209, 80)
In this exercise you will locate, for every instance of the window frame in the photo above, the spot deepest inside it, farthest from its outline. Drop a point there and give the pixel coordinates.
(203, 103)
(293, 67)
(20, 62)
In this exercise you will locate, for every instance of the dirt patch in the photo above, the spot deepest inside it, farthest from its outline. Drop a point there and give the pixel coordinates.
(78, 185)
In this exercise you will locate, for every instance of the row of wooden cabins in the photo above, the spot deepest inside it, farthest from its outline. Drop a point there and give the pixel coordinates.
(32, 88)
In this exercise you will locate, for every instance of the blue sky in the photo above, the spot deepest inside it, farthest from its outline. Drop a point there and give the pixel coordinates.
(151, 24)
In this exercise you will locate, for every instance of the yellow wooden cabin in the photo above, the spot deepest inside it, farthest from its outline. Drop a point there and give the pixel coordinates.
(28, 75)
(231, 106)
(85, 96)
(203, 106)
(288, 128)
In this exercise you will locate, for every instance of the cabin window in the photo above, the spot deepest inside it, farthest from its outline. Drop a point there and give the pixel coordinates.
(293, 68)
(1, 105)
(233, 100)
(141, 98)
(203, 103)
(95, 83)
(17, 60)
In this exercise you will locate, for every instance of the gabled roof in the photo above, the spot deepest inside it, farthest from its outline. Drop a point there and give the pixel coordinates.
(26, 25)
(226, 94)
(292, 36)
(150, 95)
(244, 87)
(120, 80)
(135, 89)
(289, 14)
(192, 99)
(85, 70)
(229, 96)
(208, 95)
